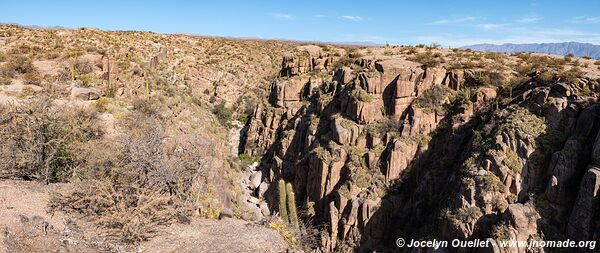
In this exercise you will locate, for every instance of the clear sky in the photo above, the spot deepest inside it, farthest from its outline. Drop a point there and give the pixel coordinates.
(450, 23)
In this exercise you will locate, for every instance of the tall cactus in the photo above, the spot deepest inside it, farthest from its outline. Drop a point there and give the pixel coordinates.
(291, 202)
(72, 70)
(282, 197)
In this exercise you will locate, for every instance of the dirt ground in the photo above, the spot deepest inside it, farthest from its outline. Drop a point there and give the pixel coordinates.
(26, 226)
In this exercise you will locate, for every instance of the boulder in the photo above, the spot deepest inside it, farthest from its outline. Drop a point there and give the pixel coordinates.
(523, 218)
(255, 179)
(264, 208)
(344, 131)
(585, 121)
(91, 93)
(392, 68)
(16, 89)
(226, 213)
(262, 188)
(484, 94)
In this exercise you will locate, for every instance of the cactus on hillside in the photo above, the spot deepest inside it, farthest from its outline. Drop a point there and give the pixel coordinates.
(291, 202)
(282, 201)
(72, 70)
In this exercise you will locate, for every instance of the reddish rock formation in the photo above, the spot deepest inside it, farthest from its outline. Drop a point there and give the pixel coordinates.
(460, 165)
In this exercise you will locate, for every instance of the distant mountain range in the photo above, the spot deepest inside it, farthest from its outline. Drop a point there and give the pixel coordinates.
(575, 48)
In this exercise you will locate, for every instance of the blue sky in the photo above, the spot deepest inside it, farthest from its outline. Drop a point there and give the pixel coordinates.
(450, 23)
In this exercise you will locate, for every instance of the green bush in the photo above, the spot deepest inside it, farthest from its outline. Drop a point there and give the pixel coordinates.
(362, 95)
(224, 114)
(491, 182)
(513, 162)
(248, 160)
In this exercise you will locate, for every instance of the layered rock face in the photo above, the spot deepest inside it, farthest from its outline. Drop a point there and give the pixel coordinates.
(378, 149)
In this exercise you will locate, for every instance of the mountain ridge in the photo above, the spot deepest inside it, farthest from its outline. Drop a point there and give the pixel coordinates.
(563, 48)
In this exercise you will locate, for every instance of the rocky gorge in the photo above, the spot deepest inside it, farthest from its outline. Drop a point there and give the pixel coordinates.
(384, 145)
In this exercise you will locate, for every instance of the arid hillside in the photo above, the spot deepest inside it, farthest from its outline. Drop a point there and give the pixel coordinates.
(135, 125)
(136, 141)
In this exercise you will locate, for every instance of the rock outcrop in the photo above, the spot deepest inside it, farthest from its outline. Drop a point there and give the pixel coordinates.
(81, 93)
(379, 148)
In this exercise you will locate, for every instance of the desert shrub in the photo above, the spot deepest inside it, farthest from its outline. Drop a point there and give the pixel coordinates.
(433, 99)
(491, 78)
(145, 181)
(149, 162)
(101, 105)
(83, 67)
(224, 114)
(597, 62)
(434, 46)
(354, 53)
(362, 95)
(39, 141)
(342, 61)
(386, 125)
(89, 80)
(570, 76)
(32, 78)
(248, 159)
(497, 57)
(428, 59)
(501, 231)
(126, 213)
(491, 182)
(2, 56)
(516, 81)
(17, 65)
(5, 80)
(145, 106)
(547, 77)
(52, 55)
(463, 215)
